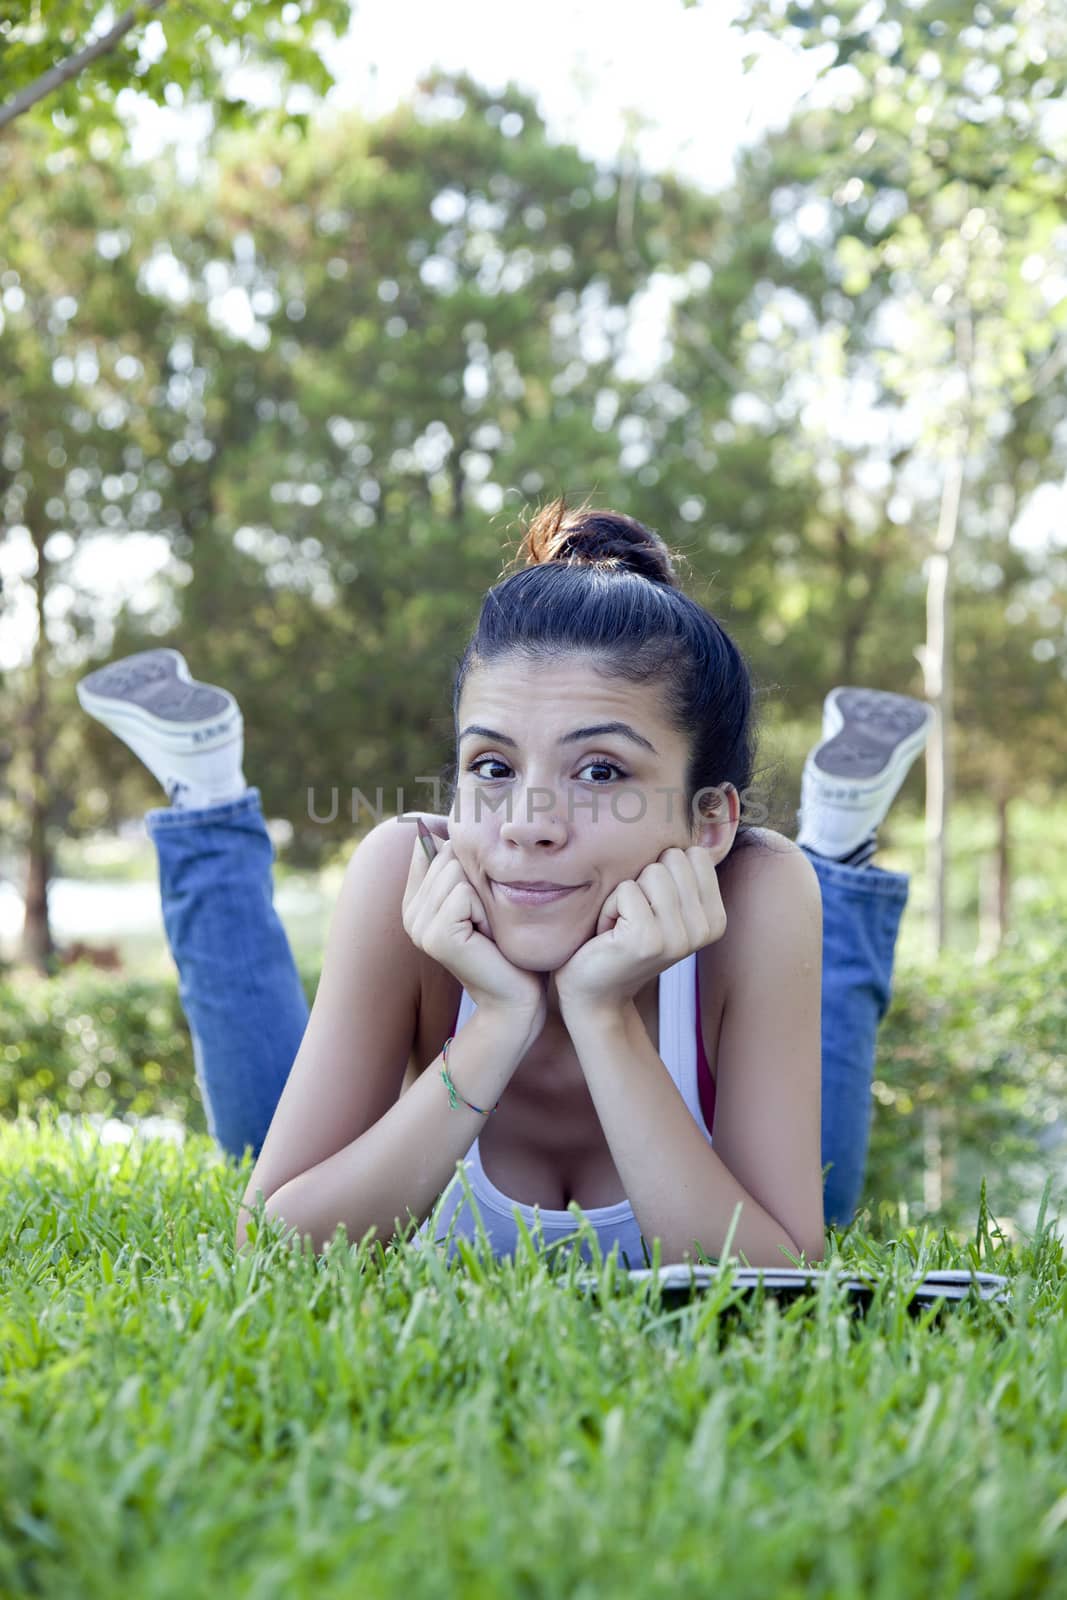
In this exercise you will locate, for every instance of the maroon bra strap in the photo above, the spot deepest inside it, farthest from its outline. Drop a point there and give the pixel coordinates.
(704, 1078)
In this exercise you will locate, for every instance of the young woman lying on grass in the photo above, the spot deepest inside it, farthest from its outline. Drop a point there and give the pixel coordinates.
(686, 1031)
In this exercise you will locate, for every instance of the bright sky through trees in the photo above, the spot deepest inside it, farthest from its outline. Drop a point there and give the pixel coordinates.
(588, 64)
(601, 74)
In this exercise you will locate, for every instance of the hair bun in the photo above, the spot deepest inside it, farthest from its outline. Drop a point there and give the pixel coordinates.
(596, 537)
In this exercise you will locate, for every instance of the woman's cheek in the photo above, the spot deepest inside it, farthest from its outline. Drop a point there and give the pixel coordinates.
(467, 861)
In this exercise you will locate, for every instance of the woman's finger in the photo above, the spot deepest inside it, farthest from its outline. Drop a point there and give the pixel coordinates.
(439, 876)
(474, 909)
(657, 883)
(418, 867)
(691, 894)
(705, 879)
(424, 876)
(635, 908)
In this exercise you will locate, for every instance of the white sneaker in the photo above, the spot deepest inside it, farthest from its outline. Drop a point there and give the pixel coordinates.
(189, 735)
(869, 740)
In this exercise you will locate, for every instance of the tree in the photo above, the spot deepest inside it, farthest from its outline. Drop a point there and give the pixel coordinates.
(418, 285)
(354, 358)
(82, 433)
(327, 477)
(953, 199)
(67, 65)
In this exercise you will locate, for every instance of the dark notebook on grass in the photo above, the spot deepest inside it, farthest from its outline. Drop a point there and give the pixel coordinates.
(681, 1280)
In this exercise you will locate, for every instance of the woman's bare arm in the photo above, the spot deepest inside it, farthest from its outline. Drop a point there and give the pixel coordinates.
(361, 1030)
(768, 1089)
(398, 1168)
(345, 1145)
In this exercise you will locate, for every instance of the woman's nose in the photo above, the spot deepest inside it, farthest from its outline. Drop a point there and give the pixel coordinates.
(533, 812)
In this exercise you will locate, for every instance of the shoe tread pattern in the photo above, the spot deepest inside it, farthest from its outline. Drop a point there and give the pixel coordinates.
(151, 681)
(875, 724)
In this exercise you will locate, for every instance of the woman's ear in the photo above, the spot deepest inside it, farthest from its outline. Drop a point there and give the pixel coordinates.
(720, 814)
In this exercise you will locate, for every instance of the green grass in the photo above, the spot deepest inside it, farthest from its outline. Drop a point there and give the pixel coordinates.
(177, 1419)
(375, 1422)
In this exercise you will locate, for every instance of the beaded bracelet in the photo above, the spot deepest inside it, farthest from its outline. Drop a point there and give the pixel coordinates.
(453, 1091)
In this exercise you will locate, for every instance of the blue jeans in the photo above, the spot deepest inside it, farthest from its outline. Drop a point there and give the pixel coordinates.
(247, 1010)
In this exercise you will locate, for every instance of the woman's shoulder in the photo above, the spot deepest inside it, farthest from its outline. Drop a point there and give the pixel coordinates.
(756, 883)
(767, 839)
(397, 834)
(763, 852)
(386, 850)
(766, 862)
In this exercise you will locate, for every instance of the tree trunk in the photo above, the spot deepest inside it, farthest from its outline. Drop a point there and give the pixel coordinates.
(936, 660)
(37, 947)
(852, 628)
(939, 1159)
(459, 483)
(1003, 864)
(932, 1158)
(996, 886)
(850, 643)
(937, 687)
(856, 610)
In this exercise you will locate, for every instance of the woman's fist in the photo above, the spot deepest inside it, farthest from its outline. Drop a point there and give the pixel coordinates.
(443, 915)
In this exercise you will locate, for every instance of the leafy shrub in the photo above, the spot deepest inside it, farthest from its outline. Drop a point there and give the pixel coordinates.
(92, 1043)
(986, 1046)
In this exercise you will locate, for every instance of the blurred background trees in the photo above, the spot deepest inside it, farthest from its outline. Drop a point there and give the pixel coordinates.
(282, 401)
(329, 373)
(67, 66)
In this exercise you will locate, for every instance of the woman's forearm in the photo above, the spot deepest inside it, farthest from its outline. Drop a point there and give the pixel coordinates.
(403, 1163)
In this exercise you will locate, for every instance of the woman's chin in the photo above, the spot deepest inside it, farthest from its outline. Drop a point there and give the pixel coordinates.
(536, 949)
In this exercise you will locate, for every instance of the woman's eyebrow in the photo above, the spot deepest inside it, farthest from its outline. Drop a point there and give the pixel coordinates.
(623, 729)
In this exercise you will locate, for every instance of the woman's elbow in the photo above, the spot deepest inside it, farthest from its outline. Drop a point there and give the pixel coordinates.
(246, 1214)
(813, 1247)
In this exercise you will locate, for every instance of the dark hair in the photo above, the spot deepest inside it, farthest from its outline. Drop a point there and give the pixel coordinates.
(601, 583)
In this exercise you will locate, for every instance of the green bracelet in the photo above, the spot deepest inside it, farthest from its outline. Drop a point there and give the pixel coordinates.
(453, 1091)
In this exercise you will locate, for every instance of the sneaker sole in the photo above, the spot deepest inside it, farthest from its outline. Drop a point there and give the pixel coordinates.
(153, 692)
(869, 736)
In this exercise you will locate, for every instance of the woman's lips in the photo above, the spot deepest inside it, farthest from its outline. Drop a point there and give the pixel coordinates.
(532, 897)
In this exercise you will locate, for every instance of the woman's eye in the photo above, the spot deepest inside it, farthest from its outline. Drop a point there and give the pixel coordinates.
(609, 766)
(474, 765)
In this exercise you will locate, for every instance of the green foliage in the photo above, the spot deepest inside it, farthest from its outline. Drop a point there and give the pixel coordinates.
(985, 1046)
(89, 1044)
(84, 1042)
(174, 54)
(936, 160)
(437, 306)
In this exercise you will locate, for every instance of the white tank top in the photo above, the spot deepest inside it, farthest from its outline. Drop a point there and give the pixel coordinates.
(678, 1052)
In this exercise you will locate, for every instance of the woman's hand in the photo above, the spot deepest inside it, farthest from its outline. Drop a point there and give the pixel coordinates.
(644, 927)
(444, 916)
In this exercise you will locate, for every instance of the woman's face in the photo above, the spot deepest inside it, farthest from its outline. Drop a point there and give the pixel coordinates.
(541, 797)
